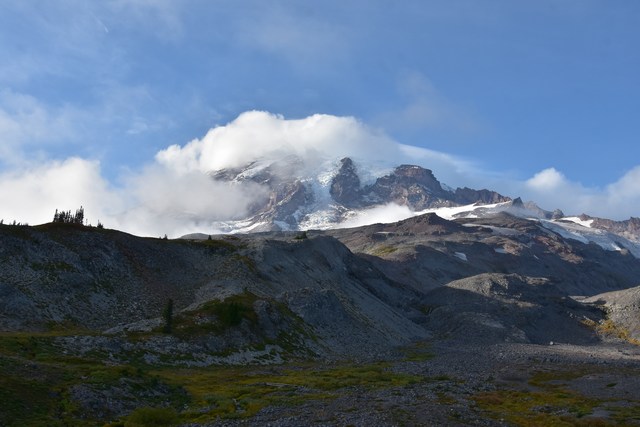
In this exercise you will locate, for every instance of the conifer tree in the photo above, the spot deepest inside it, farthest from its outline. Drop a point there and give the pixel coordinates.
(167, 315)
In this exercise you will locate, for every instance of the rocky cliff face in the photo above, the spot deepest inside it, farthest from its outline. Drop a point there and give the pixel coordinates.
(345, 185)
(629, 228)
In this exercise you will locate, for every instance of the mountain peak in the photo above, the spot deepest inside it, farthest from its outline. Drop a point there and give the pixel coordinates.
(335, 192)
(345, 185)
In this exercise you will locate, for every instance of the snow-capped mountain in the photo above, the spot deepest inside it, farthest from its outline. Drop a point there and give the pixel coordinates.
(346, 193)
(329, 194)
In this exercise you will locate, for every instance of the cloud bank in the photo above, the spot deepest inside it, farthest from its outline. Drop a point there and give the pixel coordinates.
(618, 200)
(175, 195)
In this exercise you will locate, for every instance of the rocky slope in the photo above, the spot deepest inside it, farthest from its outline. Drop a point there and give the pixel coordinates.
(381, 324)
(427, 251)
(623, 310)
(355, 291)
(66, 276)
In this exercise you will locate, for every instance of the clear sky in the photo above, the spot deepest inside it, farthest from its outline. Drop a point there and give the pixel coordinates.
(541, 98)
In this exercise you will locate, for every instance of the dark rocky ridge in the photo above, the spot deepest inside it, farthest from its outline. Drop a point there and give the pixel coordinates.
(407, 185)
(345, 186)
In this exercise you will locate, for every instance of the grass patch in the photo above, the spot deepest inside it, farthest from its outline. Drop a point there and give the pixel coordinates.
(418, 352)
(152, 417)
(247, 262)
(219, 244)
(610, 328)
(37, 381)
(553, 405)
(626, 413)
(383, 250)
(531, 408)
(241, 392)
(53, 267)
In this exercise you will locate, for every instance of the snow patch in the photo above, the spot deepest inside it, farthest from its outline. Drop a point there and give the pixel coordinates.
(585, 234)
(461, 255)
(585, 223)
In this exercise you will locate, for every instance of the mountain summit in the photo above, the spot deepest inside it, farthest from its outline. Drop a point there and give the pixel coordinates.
(336, 191)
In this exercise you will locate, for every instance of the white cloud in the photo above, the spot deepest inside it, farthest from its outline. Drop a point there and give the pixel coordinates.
(32, 195)
(380, 214)
(551, 189)
(161, 200)
(257, 135)
(152, 202)
(547, 180)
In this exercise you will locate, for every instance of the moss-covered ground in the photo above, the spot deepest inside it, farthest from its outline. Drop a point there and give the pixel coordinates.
(41, 385)
(550, 401)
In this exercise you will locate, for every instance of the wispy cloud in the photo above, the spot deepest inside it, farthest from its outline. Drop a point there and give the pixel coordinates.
(303, 40)
(25, 122)
(426, 107)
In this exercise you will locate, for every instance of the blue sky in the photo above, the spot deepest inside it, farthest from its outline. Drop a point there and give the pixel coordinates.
(518, 89)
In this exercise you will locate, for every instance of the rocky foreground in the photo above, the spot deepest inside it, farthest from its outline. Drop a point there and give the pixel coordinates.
(488, 321)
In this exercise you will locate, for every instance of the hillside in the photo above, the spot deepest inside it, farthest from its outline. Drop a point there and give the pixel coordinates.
(95, 306)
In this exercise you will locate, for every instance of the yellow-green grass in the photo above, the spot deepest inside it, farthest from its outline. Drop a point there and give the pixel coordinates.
(551, 403)
(37, 378)
(225, 392)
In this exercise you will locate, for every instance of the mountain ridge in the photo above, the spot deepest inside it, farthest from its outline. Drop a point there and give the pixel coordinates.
(335, 192)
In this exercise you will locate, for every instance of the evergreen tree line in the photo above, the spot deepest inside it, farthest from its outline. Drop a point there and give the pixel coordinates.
(69, 218)
(64, 217)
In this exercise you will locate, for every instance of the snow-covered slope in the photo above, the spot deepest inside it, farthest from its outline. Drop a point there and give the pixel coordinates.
(343, 193)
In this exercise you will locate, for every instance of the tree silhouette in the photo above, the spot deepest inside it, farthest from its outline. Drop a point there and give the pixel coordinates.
(167, 315)
(69, 218)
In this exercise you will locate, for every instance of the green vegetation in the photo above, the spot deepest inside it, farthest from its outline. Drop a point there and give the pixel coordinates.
(54, 267)
(302, 236)
(241, 392)
(610, 328)
(41, 385)
(152, 417)
(383, 250)
(418, 352)
(551, 403)
(218, 244)
(529, 408)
